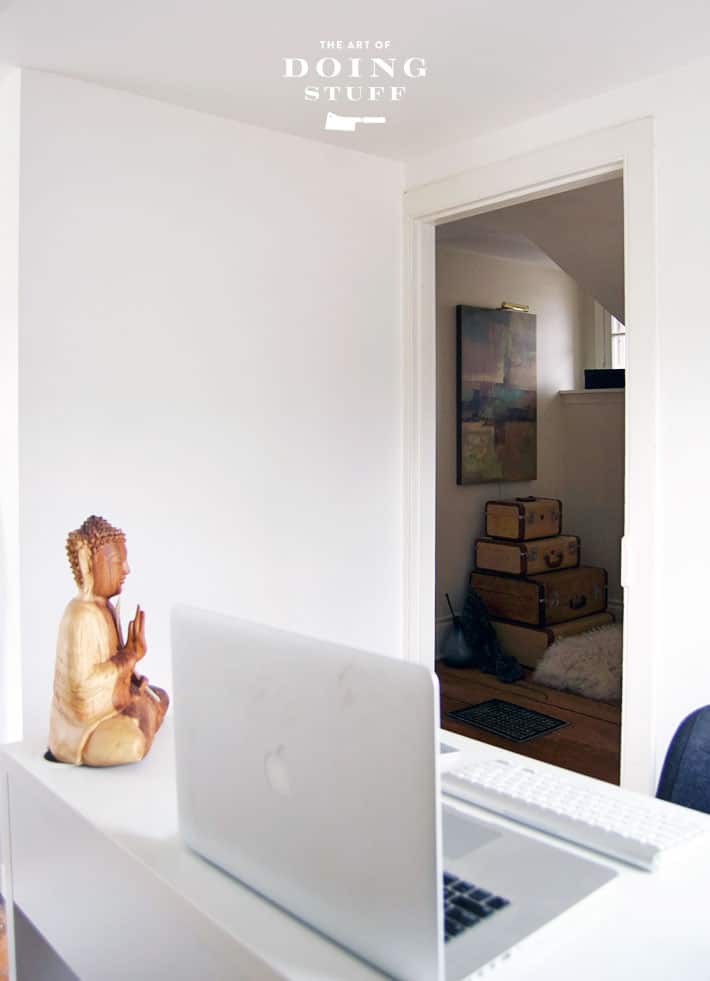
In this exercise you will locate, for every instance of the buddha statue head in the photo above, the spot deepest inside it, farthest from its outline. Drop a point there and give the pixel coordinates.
(97, 555)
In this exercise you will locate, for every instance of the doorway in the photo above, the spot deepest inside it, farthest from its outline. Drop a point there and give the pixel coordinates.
(627, 150)
(517, 418)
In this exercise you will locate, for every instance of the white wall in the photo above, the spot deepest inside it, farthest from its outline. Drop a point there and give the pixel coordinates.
(10, 664)
(593, 453)
(557, 302)
(682, 159)
(209, 357)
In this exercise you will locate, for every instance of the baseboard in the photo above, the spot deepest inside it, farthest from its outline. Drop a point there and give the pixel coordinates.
(616, 606)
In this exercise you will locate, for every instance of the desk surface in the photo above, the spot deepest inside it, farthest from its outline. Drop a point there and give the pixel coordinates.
(654, 925)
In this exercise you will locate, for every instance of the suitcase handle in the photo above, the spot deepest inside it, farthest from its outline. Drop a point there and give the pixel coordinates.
(553, 560)
(577, 602)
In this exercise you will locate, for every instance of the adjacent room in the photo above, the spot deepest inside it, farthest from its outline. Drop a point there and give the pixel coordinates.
(560, 259)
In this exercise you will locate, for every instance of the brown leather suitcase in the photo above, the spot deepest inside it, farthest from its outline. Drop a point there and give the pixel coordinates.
(538, 601)
(528, 644)
(527, 558)
(524, 518)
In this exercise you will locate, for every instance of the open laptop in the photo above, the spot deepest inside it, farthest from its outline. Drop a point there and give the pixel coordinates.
(310, 771)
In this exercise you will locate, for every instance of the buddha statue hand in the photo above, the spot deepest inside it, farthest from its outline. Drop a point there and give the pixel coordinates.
(138, 699)
(141, 687)
(135, 646)
(127, 657)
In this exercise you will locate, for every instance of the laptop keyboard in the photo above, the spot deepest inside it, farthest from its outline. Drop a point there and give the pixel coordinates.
(465, 905)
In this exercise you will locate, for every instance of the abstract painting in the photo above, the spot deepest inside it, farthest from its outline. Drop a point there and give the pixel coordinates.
(496, 395)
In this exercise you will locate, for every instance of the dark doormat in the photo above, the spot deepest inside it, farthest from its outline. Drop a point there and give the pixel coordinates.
(507, 720)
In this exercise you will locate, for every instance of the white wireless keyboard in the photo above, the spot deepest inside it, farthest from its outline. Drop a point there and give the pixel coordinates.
(616, 822)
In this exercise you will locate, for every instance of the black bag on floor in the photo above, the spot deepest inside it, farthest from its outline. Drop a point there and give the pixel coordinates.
(483, 643)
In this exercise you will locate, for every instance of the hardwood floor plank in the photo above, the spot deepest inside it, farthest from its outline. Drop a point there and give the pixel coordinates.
(3, 944)
(461, 678)
(589, 744)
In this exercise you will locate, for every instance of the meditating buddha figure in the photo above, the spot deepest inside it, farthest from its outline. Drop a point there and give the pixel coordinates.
(103, 712)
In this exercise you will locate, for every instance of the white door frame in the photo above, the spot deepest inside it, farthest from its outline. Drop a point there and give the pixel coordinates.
(626, 149)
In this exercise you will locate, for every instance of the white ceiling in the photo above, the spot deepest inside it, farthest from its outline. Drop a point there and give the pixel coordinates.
(489, 63)
(581, 231)
(485, 237)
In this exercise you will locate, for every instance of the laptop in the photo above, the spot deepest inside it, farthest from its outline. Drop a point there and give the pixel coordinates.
(310, 771)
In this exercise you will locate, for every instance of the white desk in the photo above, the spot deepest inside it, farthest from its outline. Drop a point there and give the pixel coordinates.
(97, 866)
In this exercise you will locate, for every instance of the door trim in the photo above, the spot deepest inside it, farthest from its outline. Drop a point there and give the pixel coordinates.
(627, 150)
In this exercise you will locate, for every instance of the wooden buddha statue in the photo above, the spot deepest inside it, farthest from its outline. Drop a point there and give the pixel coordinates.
(103, 713)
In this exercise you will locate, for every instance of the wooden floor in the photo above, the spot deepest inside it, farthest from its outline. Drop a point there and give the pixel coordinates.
(590, 744)
(3, 944)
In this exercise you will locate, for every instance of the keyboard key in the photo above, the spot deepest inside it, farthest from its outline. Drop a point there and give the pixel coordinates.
(468, 918)
(459, 916)
(497, 902)
(472, 906)
(454, 929)
(479, 894)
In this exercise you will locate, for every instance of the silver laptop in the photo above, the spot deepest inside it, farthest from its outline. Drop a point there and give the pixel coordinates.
(328, 801)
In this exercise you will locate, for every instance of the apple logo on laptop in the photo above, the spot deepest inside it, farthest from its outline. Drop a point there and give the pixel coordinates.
(277, 773)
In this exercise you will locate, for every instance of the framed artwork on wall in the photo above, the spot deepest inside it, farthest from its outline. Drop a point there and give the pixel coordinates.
(496, 395)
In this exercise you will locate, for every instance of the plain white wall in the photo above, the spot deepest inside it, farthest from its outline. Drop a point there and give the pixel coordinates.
(593, 453)
(558, 303)
(10, 663)
(682, 160)
(209, 357)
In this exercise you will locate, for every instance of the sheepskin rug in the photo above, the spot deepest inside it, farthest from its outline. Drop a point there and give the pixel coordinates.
(588, 664)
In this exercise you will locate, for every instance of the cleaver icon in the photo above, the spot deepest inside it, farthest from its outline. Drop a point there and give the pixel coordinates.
(347, 124)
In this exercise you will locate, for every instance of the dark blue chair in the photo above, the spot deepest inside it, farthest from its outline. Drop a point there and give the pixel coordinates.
(685, 777)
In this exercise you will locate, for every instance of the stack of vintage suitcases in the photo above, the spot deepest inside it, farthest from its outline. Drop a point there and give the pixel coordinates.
(530, 580)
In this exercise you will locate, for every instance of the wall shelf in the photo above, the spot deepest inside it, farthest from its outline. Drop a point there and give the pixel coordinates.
(588, 396)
